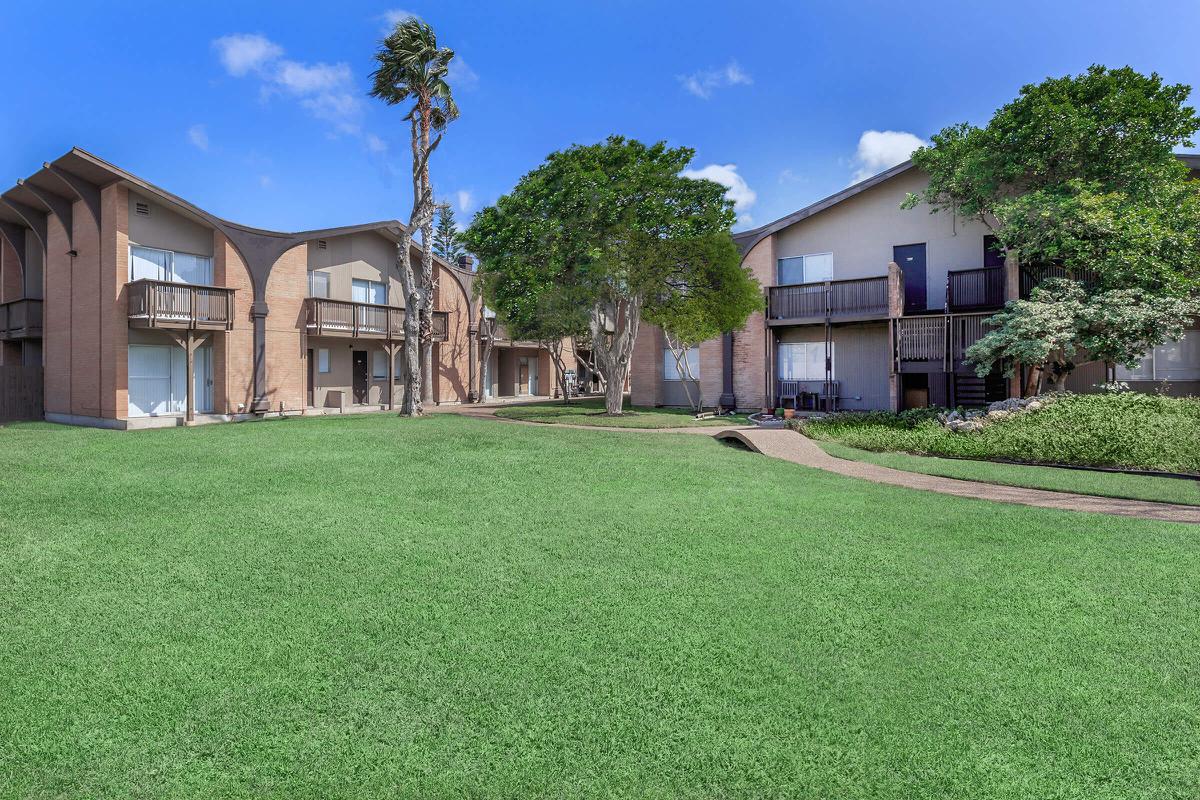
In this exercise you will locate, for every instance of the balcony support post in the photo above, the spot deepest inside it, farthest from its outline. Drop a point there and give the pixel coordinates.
(391, 348)
(727, 400)
(472, 362)
(258, 313)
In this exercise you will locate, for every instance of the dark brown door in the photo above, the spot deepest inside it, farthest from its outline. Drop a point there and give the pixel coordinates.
(911, 258)
(361, 379)
(523, 377)
(311, 369)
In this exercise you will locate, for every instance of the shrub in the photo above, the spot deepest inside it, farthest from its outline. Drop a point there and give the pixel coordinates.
(1122, 429)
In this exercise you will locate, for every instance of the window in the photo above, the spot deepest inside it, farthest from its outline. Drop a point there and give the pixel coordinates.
(805, 269)
(1170, 361)
(671, 370)
(803, 361)
(323, 360)
(369, 292)
(379, 365)
(318, 284)
(165, 265)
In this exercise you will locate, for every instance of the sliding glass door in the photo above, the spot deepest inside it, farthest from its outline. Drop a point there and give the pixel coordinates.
(158, 380)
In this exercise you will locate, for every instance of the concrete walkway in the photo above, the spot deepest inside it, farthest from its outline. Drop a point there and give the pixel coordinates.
(791, 446)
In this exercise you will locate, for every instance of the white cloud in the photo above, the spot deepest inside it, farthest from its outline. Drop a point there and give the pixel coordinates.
(198, 136)
(326, 91)
(242, 52)
(737, 189)
(394, 16)
(879, 150)
(466, 201)
(375, 144)
(789, 176)
(704, 82)
(460, 75)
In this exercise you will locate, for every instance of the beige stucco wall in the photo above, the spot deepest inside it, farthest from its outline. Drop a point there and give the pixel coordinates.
(366, 256)
(167, 229)
(861, 231)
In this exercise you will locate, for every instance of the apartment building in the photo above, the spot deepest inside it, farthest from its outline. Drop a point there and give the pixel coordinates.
(871, 306)
(135, 308)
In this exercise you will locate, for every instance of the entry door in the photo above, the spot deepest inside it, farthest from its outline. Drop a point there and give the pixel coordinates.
(911, 258)
(310, 377)
(361, 377)
(523, 376)
(202, 379)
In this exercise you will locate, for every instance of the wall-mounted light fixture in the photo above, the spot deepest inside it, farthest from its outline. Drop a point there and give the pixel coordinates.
(73, 253)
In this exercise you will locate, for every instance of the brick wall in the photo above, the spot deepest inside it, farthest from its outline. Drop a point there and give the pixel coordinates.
(452, 358)
(749, 343)
(645, 373)
(711, 362)
(233, 351)
(113, 238)
(287, 364)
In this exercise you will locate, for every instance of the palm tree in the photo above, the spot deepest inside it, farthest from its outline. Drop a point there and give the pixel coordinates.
(411, 68)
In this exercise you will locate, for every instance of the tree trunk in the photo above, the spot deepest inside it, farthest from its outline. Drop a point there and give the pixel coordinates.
(613, 351)
(427, 279)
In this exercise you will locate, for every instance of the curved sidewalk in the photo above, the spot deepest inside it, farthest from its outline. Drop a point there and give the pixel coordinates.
(790, 446)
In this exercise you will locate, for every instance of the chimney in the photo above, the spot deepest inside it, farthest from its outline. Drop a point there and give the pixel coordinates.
(466, 262)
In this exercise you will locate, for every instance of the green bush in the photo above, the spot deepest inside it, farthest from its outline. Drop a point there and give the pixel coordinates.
(1124, 429)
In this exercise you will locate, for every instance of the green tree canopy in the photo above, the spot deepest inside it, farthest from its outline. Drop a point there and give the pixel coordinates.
(599, 235)
(446, 237)
(1079, 173)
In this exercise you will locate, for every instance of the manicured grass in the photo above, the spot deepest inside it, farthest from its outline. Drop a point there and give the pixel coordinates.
(1128, 430)
(375, 607)
(1105, 484)
(591, 412)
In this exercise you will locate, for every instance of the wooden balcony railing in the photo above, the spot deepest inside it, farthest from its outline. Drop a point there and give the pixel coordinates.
(858, 297)
(160, 304)
(21, 319)
(1032, 276)
(324, 317)
(942, 337)
(973, 289)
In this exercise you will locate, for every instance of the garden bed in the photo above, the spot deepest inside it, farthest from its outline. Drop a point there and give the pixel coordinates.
(1124, 430)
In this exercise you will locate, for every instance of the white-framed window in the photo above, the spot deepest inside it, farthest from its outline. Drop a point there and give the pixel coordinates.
(1170, 361)
(363, 291)
(318, 284)
(812, 268)
(671, 371)
(379, 365)
(323, 360)
(167, 265)
(802, 361)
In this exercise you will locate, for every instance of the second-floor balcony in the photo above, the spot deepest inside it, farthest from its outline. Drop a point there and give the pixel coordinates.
(325, 317)
(975, 289)
(938, 338)
(186, 306)
(21, 319)
(857, 298)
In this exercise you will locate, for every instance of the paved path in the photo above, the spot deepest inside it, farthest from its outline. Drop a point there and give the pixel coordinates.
(798, 449)
(790, 446)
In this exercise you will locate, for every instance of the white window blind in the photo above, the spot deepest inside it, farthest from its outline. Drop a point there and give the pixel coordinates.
(323, 360)
(812, 268)
(318, 284)
(802, 361)
(1170, 361)
(379, 365)
(671, 370)
(165, 265)
(363, 291)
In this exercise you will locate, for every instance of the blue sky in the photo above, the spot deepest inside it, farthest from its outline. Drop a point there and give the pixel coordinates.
(257, 111)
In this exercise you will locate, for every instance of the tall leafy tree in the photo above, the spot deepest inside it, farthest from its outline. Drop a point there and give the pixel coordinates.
(411, 71)
(445, 235)
(1077, 177)
(604, 229)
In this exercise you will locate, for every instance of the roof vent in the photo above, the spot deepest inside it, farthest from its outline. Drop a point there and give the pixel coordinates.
(322, 244)
(141, 209)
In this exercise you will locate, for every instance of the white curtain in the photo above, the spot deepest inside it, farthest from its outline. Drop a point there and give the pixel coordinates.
(802, 361)
(818, 268)
(147, 263)
(192, 269)
(149, 380)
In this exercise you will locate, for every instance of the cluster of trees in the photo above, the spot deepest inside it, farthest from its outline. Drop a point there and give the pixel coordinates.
(1077, 177)
(601, 237)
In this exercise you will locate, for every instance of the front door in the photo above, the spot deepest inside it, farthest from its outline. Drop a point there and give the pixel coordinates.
(310, 378)
(523, 376)
(362, 380)
(911, 258)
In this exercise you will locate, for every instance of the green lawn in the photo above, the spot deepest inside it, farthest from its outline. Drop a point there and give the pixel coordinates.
(1106, 484)
(272, 610)
(590, 411)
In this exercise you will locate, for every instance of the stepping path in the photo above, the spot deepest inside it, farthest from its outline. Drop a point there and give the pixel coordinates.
(790, 446)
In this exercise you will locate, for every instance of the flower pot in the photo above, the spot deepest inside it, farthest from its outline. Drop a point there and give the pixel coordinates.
(788, 413)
